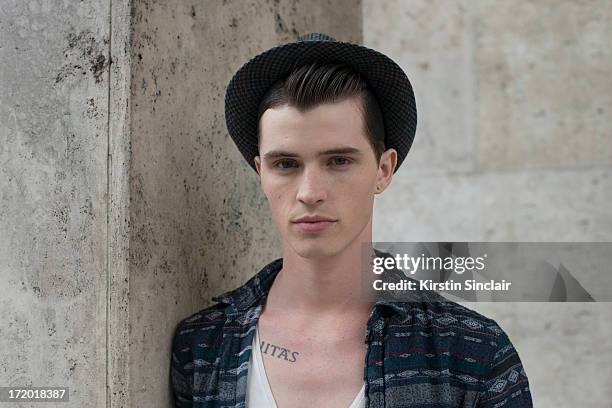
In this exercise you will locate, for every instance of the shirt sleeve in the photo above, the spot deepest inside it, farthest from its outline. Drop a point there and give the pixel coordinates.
(180, 376)
(506, 383)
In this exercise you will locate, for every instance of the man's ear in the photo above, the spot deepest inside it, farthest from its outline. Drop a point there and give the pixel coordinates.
(388, 161)
(258, 165)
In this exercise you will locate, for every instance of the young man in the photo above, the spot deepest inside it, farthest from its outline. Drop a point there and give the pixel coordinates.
(326, 124)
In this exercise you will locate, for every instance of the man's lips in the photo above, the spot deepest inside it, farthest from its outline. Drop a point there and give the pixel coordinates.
(314, 226)
(313, 222)
(314, 218)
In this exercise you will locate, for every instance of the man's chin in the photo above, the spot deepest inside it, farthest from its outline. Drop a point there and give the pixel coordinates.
(315, 250)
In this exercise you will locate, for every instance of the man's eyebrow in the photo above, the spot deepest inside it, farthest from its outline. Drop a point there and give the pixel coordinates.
(273, 154)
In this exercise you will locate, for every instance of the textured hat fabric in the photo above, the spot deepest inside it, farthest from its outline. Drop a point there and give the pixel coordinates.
(383, 76)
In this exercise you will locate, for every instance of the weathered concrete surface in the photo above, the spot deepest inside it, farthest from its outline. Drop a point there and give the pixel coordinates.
(199, 224)
(53, 241)
(529, 205)
(513, 144)
(542, 82)
(119, 159)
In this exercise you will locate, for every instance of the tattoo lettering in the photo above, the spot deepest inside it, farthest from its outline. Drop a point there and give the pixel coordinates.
(271, 349)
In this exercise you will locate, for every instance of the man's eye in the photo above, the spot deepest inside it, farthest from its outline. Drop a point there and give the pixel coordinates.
(284, 164)
(341, 161)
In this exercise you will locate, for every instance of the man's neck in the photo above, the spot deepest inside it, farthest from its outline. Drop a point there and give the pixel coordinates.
(321, 289)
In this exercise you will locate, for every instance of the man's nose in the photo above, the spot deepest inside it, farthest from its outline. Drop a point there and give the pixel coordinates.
(313, 187)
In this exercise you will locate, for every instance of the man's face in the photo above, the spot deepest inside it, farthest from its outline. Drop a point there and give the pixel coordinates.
(320, 163)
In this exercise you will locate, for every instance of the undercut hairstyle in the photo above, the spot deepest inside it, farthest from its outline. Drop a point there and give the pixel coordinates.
(316, 83)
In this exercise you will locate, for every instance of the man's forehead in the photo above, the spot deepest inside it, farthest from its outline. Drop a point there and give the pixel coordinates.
(324, 113)
(325, 129)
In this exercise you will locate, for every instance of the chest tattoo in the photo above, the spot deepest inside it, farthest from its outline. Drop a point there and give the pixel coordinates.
(279, 352)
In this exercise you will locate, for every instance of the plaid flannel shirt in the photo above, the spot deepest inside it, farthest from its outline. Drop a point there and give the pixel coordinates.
(418, 354)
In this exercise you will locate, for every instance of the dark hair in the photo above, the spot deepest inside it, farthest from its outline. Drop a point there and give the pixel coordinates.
(316, 83)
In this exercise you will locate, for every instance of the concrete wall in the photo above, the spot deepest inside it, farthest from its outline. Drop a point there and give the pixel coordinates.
(124, 205)
(53, 193)
(513, 144)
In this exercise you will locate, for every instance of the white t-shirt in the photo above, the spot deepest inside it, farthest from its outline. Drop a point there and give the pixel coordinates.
(259, 394)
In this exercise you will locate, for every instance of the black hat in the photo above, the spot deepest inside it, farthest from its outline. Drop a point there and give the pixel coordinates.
(383, 76)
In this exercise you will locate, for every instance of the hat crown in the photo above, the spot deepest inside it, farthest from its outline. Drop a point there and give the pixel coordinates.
(384, 77)
(316, 37)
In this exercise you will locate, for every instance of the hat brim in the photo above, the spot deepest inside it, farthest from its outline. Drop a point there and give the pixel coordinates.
(384, 77)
